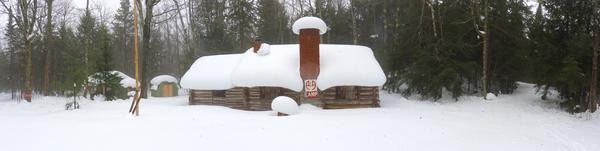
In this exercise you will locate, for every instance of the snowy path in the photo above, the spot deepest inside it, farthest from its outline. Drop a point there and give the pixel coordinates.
(516, 122)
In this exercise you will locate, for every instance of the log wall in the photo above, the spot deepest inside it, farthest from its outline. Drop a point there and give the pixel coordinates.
(362, 97)
(260, 98)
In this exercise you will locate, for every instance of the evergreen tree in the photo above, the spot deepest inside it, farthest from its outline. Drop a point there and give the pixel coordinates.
(86, 34)
(272, 22)
(540, 64)
(13, 45)
(109, 82)
(568, 41)
(338, 18)
(123, 38)
(507, 44)
(72, 69)
(241, 20)
(433, 54)
(212, 21)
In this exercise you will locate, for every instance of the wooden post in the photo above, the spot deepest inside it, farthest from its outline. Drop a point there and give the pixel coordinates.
(134, 109)
(281, 114)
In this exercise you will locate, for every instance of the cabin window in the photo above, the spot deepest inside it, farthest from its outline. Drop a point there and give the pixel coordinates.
(346, 92)
(219, 93)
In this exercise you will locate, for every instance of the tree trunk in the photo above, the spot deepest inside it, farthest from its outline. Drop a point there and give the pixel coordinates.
(47, 70)
(12, 76)
(28, 65)
(594, 80)
(486, 49)
(485, 36)
(145, 53)
(354, 24)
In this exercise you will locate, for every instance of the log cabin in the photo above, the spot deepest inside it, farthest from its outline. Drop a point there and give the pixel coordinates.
(325, 75)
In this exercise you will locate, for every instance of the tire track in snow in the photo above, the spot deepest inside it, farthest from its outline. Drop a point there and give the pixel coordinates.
(567, 142)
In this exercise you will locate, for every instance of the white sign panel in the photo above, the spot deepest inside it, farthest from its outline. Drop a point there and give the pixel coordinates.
(310, 88)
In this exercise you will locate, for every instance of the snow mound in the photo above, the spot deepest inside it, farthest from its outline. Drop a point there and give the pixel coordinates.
(263, 50)
(309, 23)
(490, 96)
(284, 104)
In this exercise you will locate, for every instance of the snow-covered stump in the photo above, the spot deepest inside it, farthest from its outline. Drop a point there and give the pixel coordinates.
(284, 106)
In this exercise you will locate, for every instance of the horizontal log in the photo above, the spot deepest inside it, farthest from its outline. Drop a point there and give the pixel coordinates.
(346, 106)
(202, 93)
(348, 101)
(235, 93)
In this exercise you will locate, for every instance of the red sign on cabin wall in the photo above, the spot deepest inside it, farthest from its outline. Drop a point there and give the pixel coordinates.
(310, 88)
(27, 94)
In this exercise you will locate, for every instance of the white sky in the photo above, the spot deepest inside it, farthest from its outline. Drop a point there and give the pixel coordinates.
(112, 5)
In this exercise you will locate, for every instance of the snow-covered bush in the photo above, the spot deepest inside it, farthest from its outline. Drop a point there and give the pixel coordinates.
(285, 105)
(490, 96)
(109, 85)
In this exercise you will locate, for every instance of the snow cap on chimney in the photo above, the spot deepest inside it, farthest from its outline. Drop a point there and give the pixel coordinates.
(309, 23)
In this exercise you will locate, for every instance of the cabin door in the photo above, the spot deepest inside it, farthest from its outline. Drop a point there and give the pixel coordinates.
(168, 90)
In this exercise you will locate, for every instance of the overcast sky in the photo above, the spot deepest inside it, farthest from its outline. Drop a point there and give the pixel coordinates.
(113, 5)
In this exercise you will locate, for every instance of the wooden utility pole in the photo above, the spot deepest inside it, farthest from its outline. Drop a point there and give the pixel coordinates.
(134, 108)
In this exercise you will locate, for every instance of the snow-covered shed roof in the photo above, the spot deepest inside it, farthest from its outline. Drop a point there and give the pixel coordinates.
(340, 65)
(160, 79)
(163, 78)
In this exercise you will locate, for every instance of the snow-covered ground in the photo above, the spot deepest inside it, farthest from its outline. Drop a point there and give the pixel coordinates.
(516, 122)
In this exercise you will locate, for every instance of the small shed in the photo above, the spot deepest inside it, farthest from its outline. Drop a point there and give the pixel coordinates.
(164, 86)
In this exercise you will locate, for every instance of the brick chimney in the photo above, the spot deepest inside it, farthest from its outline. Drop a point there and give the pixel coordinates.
(256, 45)
(309, 53)
(309, 29)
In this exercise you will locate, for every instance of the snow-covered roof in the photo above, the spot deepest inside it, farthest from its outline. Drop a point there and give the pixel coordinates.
(211, 72)
(163, 78)
(309, 23)
(125, 82)
(343, 65)
(160, 79)
(278, 69)
(340, 65)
